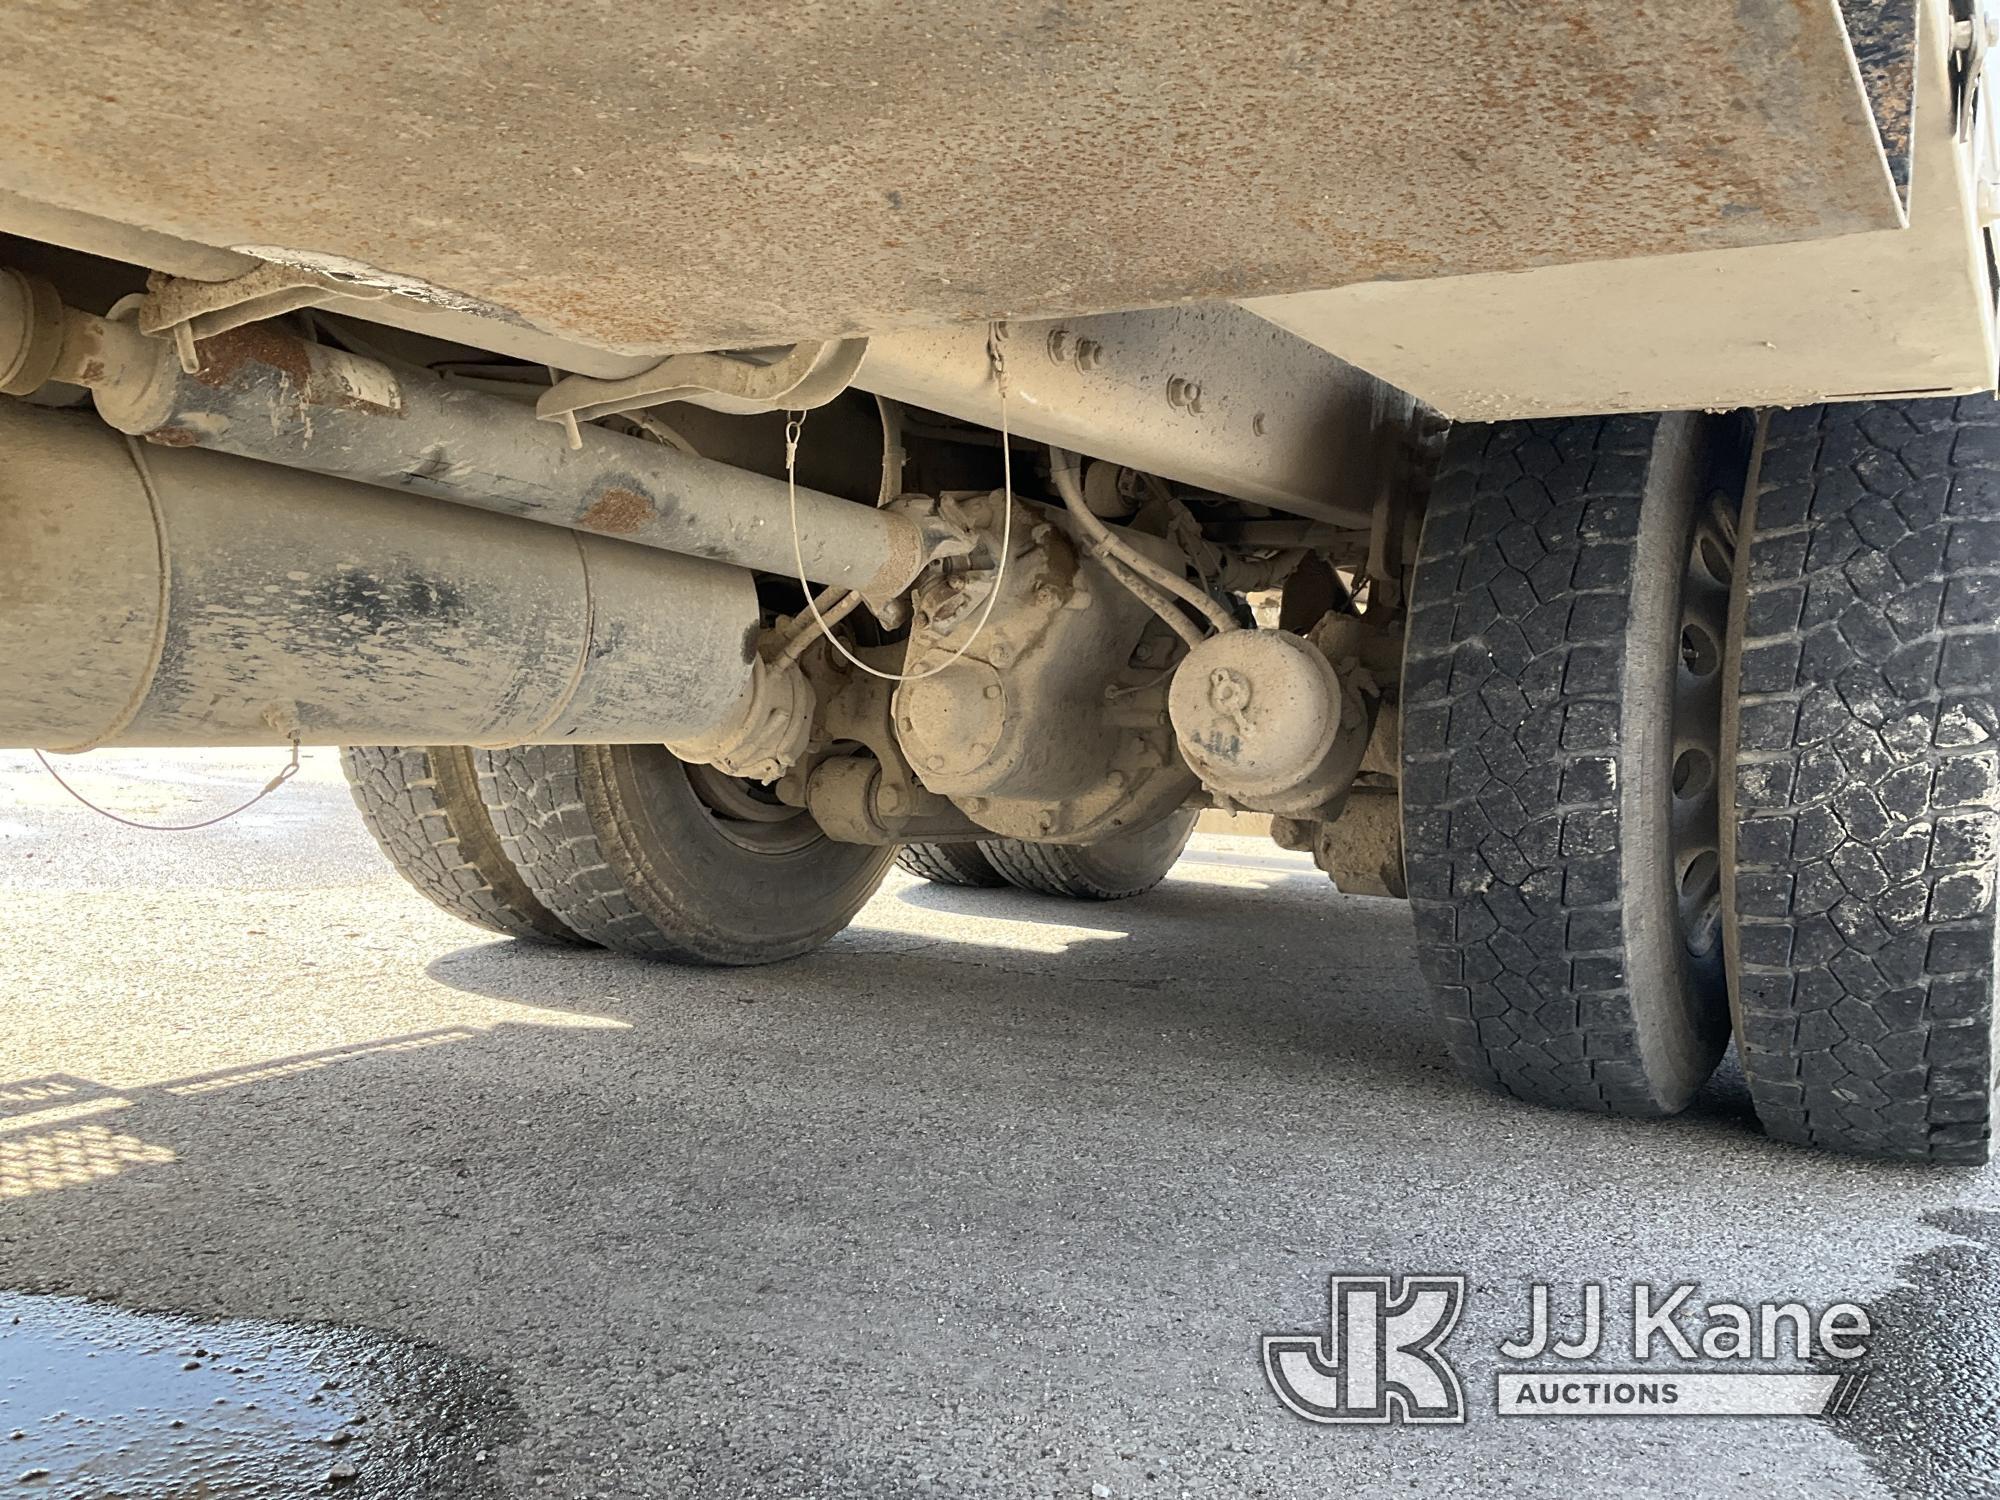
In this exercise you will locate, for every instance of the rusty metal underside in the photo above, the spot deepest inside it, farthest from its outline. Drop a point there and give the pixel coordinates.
(729, 173)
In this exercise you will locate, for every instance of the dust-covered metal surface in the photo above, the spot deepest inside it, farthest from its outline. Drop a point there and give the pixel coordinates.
(96, 1400)
(166, 596)
(1899, 313)
(1211, 396)
(726, 173)
(260, 393)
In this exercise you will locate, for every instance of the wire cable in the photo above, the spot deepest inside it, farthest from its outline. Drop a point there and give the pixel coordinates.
(796, 420)
(270, 786)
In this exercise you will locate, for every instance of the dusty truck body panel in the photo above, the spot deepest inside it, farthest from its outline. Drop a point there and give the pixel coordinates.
(1747, 203)
(1906, 311)
(693, 460)
(733, 174)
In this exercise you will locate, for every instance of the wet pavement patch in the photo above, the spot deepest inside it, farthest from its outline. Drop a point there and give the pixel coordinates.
(1928, 1421)
(100, 1402)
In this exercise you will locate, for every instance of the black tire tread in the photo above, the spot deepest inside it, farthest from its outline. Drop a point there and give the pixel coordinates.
(420, 803)
(950, 864)
(1513, 698)
(1068, 870)
(1866, 785)
(1048, 870)
(574, 821)
(535, 795)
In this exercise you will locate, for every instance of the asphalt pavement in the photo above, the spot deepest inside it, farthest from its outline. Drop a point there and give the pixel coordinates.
(995, 1196)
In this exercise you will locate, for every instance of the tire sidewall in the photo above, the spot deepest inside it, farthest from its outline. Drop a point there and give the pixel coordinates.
(725, 903)
(1140, 859)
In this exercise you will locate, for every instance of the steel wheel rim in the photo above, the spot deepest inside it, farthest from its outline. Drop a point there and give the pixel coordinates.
(1694, 778)
(749, 816)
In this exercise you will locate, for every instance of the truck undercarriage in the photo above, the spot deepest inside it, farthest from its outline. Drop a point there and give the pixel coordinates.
(1545, 460)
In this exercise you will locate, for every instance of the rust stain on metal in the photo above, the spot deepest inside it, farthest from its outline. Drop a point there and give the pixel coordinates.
(226, 357)
(173, 437)
(308, 375)
(1270, 150)
(618, 512)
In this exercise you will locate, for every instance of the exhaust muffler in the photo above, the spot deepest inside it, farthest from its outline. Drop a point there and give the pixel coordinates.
(172, 597)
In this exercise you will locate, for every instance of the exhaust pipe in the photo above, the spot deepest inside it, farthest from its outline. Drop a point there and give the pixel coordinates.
(171, 597)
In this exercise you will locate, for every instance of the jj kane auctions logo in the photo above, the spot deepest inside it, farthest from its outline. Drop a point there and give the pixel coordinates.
(1382, 1358)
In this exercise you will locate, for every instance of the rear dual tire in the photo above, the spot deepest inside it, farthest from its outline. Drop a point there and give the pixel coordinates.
(627, 847)
(641, 852)
(950, 864)
(618, 845)
(1113, 869)
(1866, 817)
(1565, 889)
(422, 804)
(1856, 757)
